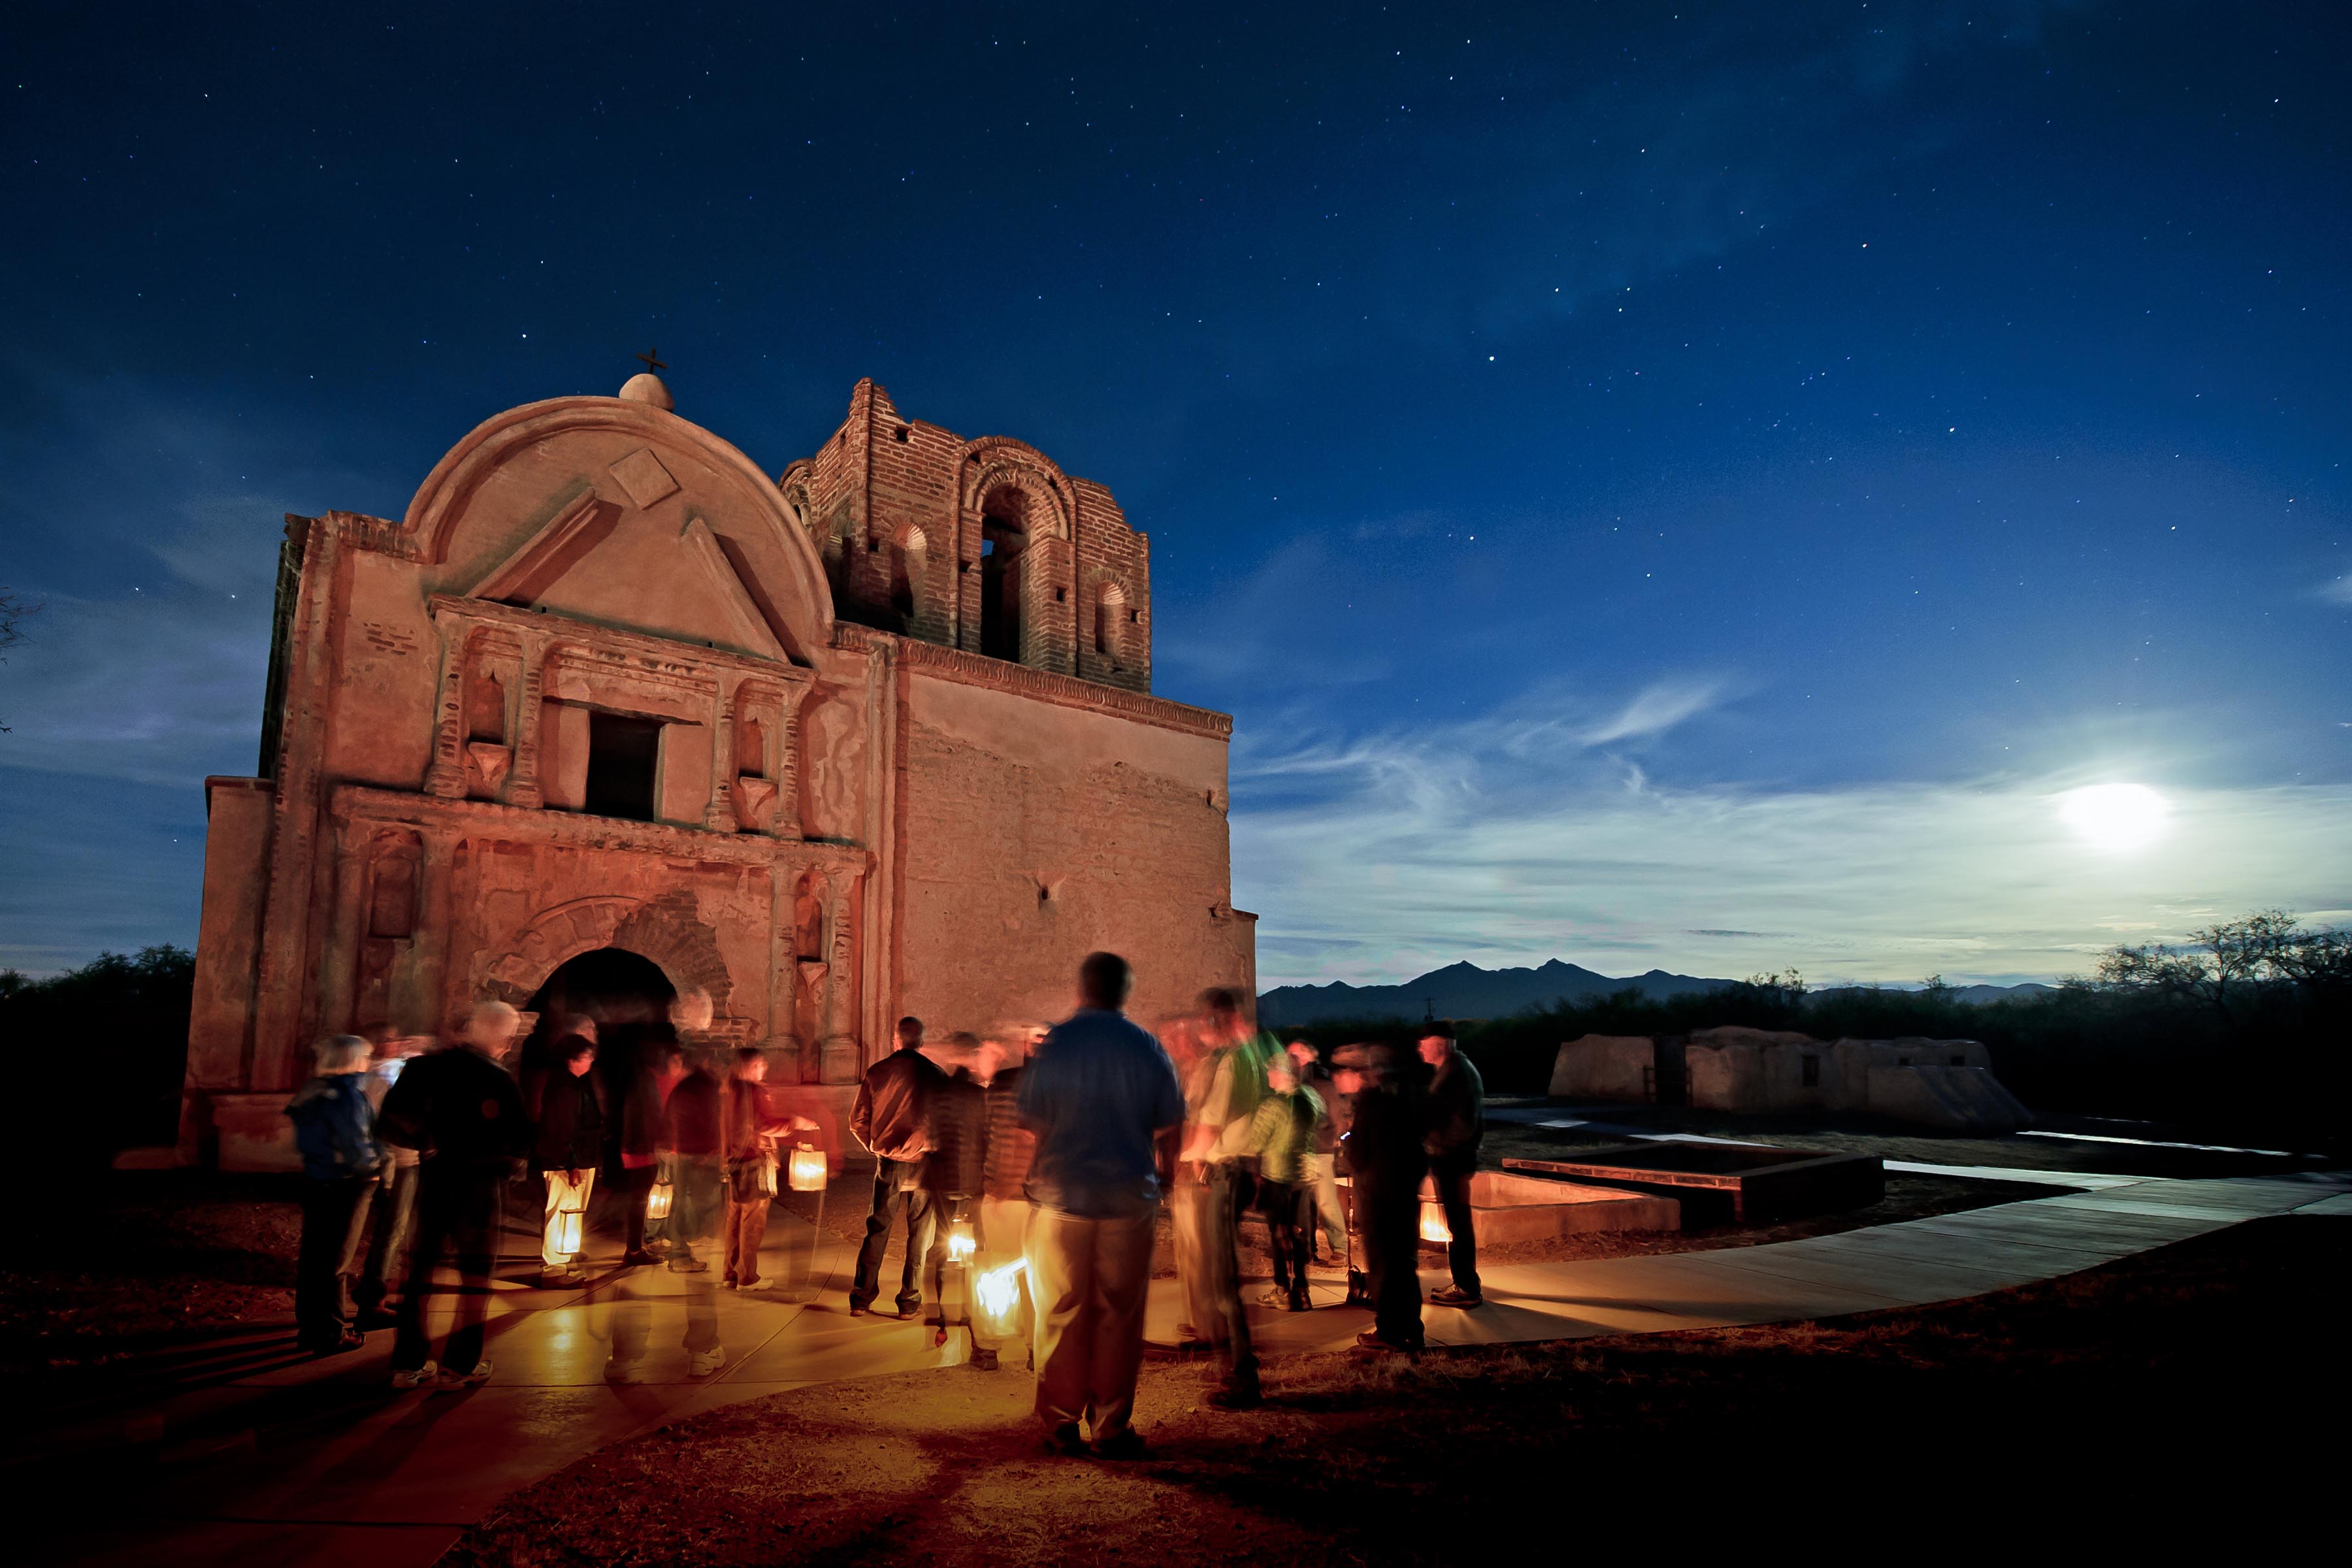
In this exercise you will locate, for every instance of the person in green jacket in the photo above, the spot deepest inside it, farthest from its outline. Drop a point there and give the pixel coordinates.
(1282, 1136)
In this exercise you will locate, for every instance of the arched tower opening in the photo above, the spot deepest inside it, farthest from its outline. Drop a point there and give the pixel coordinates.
(1004, 539)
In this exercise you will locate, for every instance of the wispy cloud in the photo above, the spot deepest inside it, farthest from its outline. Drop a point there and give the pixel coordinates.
(1656, 709)
(2338, 592)
(1412, 853)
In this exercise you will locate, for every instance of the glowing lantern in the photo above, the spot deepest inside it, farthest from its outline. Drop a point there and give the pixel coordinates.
(808, 1170)
(961, 1243)
(659, 1198)
(997, 1293)
(1433, 1225)
(570, 1205)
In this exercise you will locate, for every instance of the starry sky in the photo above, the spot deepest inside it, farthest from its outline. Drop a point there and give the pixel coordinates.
(1692, 485)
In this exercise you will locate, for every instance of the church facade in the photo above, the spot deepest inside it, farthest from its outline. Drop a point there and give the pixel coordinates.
(871, 737)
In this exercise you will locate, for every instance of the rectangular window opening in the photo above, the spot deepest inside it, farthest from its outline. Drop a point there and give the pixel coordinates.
(624, 755)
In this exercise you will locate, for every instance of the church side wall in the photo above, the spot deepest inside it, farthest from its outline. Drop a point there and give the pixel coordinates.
(1034, 833)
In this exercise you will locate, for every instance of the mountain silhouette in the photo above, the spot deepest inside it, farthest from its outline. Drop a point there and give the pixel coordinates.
(1463, 990)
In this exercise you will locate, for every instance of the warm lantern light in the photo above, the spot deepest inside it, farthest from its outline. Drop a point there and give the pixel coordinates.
(808, 1171)
(961, 1243)
(997, 1293)
(569, 1204)
(1433, 1226)
(658, 1200)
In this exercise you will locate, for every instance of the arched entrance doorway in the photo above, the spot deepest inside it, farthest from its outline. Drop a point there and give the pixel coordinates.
(625, 993)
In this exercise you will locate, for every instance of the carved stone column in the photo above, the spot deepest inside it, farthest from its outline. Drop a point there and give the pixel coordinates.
(719, 814)
(785, 1037)
(447, 777)
(429, 1002)
(523, 788)
(787, 823)
(838, 1056)
(339, 963)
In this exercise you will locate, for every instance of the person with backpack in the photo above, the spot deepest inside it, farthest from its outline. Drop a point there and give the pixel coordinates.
(335, 1127)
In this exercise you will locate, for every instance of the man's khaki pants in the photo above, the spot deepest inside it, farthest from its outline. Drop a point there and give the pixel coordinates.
(1091, 1278)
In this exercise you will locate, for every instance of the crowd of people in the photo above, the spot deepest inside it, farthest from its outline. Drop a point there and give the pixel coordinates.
(1038, 1160)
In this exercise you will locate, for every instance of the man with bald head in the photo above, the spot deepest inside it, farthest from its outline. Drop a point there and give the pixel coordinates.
(462, 1112)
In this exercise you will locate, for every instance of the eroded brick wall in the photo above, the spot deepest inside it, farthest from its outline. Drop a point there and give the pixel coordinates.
(1035, 833)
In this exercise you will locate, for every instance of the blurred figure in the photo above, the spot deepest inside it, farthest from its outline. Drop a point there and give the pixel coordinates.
(1281, 1134)
(891, 1118)
(954, 1169)
(1004, 1202)
(1212, 1188)
(1457, 1123)
(1327, 1217)
(567, 1106)
(463, 1114)
(749, 1130)
(1101, 1096)
(391, 1218)
(693, 1140)
(334, 1128)
(661, 1067)
(1385, 1163)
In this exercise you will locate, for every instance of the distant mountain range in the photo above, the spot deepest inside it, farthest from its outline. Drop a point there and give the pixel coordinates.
(1465, 991)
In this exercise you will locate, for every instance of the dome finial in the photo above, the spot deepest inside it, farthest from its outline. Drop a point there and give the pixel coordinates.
(645, 386)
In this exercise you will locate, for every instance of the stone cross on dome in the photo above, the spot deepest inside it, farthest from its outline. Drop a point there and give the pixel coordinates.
(645, 386)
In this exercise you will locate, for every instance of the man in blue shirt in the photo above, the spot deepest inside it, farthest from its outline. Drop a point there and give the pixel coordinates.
(1102, 1098)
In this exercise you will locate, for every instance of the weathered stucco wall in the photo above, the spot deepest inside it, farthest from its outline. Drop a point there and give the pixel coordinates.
(1034, 833)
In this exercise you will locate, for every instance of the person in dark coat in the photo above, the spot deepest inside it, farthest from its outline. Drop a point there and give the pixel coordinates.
(890, 1119)
(1385, 1162)
(693, 1138)
(1457, 1122)
(568, 1111)
(955, 1167)
(463, 1114)
(334, 1129)
(1328, 1219)
(638, 1152)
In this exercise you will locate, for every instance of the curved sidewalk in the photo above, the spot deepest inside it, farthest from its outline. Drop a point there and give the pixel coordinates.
(301, 1461)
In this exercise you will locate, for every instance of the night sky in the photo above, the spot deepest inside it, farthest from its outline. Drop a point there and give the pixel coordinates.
(1692, 485)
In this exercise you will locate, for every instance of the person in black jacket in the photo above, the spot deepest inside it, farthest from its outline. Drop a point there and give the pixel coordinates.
(568, 1109)
(1386, 1163)
(1457, 1122)
(461, 1111)
(891, 1118)
(334, 1128)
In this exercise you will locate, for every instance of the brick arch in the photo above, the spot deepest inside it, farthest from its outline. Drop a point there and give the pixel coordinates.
(1051, 508)
(668, 931)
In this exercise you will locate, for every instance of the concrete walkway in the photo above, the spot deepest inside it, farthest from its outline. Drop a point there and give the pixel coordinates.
(268, 1459)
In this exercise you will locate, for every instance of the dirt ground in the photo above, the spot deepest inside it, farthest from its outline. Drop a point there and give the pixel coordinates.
(2137, 1399)
(137, 1259)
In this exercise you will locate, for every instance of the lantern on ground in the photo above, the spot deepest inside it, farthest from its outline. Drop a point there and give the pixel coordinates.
(1432, 1224)
(961, 1242)
(571, 1207)
(997, 1295)
(807, 1173)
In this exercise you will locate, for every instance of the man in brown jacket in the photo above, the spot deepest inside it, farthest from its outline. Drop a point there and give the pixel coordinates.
(891, 1118)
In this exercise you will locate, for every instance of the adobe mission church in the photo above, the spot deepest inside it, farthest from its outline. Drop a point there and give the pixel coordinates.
(870, 736)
